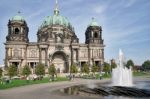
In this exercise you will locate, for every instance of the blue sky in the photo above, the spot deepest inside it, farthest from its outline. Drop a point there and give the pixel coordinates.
(125, 23)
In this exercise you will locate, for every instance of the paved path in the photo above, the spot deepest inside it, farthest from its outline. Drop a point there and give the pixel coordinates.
(46, 91)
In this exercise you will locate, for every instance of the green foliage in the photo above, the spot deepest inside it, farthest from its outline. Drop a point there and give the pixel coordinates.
(85, 69)
(95, 68)
(113, 65)
(1, 71)
(26, 71)
(141, 74)
(40, 69)
(106, 67)
(18, 83)
(12, 71)
(129, 63)
(73, 68)
(52, 70)
(146, 65)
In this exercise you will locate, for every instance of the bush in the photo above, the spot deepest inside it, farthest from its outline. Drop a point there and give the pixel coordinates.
(146, 65)
(52, 70)
(40, 69)
(12, 71)
(85, 69)
(73, 69)
(1, 71)
(106, 68)
(95, 68)
(26, 71)
(129, 63)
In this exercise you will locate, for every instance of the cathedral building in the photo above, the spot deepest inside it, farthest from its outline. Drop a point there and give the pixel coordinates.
(56, 44)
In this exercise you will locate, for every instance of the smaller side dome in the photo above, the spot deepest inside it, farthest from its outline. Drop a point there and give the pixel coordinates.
(18, 17)
(93, 23)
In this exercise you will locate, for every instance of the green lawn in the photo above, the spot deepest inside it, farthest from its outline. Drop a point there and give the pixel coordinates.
(141, 73)
(17, 83)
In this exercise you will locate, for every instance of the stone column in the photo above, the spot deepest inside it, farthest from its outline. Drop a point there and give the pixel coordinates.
(25, 54)
(40, 56)
(89, 56)
(102, 62)
(46, 58)
(6, 57)
(77, 55)
(72, 56)
(103, 54)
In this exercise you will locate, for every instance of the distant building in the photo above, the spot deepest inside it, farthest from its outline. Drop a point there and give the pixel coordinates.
(138, 68)
(112, 61)
(57, 44)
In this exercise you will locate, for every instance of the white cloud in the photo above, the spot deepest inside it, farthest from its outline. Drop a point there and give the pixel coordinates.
(129, 3)
(99, 9)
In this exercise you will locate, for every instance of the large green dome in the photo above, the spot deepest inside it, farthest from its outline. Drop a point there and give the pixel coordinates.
(54, 20)
(18, 18)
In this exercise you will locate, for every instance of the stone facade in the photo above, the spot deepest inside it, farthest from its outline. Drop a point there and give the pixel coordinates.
(57, 44)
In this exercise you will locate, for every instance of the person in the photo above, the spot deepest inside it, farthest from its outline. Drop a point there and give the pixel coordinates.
(70, 77)
(100, 76)
(27, 79)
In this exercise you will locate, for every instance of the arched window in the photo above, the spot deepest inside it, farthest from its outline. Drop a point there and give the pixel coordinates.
(16, 31)
(96, 35)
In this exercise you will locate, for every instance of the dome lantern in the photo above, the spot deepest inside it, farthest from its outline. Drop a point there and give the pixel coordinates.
(56, 19)
(56, 10)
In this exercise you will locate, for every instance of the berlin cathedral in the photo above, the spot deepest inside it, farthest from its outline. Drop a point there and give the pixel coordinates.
(56, 44)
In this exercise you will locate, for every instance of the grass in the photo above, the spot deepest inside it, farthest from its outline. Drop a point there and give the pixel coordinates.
(141, 73)
(18, 83)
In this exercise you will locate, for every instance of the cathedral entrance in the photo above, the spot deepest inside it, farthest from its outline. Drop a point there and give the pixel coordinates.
(59, 59)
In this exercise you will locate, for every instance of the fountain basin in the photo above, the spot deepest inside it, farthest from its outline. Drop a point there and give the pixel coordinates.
(108, 91)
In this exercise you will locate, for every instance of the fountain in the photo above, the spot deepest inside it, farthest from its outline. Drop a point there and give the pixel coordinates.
(121, 87)
(121, 75)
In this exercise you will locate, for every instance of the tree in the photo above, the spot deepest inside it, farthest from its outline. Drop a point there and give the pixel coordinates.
(113, 65)
(26, 71)
(95, 68)
(52, 70)
(106, 67)
(12, 71)
(85, 69)
(73, 68)
(129, 63)
(1, 71)
(146, 65)
(40, 70)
